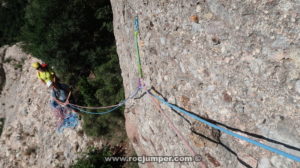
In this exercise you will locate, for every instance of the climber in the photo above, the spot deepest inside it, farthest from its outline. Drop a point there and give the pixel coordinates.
(44, 74)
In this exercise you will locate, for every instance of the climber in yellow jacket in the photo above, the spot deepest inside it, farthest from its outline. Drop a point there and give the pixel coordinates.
(44, 74)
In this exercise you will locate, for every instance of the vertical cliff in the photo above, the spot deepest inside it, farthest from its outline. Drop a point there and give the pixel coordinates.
(234, 62)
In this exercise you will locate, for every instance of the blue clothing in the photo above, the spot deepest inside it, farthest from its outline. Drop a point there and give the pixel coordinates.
(60, 93)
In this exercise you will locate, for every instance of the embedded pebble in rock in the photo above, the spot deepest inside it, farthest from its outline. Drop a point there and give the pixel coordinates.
(280, 162)
(234, 62)
(297, 86)
(264, 163)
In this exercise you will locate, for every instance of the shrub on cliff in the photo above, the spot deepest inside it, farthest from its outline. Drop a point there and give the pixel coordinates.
(95, 158)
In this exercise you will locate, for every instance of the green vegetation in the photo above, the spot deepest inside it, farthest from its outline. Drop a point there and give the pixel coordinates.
(8, 60)
(16, 64)
(95, 158)
(11, 19)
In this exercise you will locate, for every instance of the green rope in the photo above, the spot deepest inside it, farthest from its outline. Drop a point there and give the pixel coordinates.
(138, 58)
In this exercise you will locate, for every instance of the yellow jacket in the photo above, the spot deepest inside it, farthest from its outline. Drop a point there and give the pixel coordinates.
(46, 75)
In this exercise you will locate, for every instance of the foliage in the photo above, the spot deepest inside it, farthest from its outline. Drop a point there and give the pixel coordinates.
(76, 38)
(94, 158)
(11, 19)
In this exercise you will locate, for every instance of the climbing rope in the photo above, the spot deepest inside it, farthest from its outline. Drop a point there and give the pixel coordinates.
(171, 125)
(65, 118)
(60, 113)
(111, 110)
(87, 107)
(277, 151)
(78, 106)
(136, 34)
(102, 107)
(70, 121)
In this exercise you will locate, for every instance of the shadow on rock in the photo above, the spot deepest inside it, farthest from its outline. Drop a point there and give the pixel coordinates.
(2, 78)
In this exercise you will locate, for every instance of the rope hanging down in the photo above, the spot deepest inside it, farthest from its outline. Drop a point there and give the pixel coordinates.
(111, 110)
(277, 151)
(87, 107)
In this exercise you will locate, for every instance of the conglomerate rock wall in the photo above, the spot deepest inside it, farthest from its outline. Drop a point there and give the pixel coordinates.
(236, 62)
(29, 138)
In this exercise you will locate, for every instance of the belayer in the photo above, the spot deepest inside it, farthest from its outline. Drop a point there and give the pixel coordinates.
(60, 95)
(46, 75)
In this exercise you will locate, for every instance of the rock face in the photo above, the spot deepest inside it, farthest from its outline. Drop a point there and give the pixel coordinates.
(234, 62)
(29, 138)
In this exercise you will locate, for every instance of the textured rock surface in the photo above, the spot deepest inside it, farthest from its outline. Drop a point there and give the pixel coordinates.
(29, 138)
(235, 62)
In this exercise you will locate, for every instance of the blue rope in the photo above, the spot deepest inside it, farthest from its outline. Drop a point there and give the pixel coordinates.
(136, 24)
(290, 156)
(111, 110)
(71, 121)
(98, 113)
